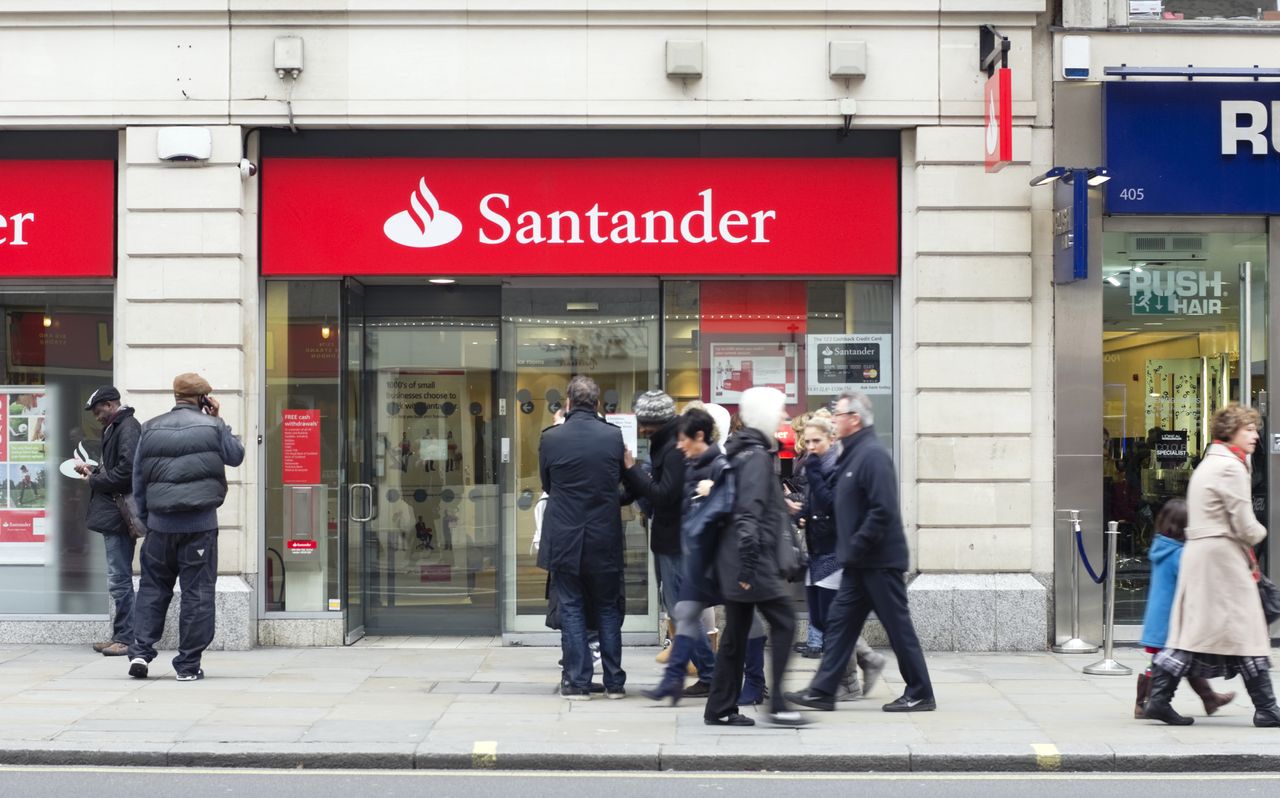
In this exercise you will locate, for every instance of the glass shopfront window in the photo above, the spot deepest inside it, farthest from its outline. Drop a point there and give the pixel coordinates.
(409, 427)
(1174, 352)
(1202, 11)
(811, 339)
(301, 565)
(57, 348)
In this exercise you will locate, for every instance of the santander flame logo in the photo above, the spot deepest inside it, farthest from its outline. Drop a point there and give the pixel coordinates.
(424, 225)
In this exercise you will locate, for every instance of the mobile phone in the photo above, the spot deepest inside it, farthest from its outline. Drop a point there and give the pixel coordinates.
(205, 404)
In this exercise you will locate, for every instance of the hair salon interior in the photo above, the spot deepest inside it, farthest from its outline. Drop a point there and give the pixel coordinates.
(388, 236)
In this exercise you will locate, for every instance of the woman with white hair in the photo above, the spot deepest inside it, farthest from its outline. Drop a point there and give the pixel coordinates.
(748, 566)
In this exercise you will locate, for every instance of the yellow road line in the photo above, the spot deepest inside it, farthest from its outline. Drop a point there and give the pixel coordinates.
(484, 754)
(1047, 756)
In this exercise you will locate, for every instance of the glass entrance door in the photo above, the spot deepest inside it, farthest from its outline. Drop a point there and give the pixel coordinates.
(1184, 334)
(423, 492)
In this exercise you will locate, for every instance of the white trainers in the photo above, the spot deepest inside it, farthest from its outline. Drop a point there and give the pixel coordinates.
(138, 668)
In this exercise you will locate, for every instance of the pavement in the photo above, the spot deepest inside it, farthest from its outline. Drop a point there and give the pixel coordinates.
(471, 703)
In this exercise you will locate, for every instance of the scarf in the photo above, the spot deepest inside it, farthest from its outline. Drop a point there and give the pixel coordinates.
(1236, 450)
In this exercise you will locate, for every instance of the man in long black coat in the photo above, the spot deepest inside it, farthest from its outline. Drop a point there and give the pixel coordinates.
(581, 464)
(872, 549)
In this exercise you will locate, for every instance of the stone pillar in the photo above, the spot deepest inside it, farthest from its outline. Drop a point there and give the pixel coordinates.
(969, 344)
(185, 301)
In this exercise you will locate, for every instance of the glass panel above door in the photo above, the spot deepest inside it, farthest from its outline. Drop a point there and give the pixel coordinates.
(1176, 348)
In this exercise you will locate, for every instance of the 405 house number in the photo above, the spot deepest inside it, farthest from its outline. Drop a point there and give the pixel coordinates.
(1132, 194)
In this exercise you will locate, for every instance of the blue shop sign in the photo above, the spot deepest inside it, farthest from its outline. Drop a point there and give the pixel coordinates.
(1193, 147)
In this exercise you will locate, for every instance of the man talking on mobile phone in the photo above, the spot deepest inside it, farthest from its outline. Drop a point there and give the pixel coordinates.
(179, 482)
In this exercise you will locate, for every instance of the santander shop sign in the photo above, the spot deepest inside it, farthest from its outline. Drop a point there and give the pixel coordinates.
(580, 216)
(57, 218)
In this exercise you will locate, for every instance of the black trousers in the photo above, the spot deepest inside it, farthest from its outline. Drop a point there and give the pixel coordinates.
(861, 591)
(726, 684)
(188, 559)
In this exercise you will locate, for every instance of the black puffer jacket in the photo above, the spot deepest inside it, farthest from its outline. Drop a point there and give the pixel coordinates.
(748, 550)
(664, 488)
(114, 475)
(179, 475)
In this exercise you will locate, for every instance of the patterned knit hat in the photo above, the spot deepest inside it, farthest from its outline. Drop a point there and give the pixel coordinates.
(655, 407)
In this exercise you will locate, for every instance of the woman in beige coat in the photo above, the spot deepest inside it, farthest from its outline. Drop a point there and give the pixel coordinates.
(1217, 628)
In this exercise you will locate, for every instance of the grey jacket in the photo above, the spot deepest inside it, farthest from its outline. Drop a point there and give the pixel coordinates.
(179, 471)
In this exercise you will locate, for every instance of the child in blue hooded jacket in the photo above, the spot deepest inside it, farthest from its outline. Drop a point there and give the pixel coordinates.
(1166, 557)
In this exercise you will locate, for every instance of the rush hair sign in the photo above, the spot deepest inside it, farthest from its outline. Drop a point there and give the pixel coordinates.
(528, 216)
(57, 218)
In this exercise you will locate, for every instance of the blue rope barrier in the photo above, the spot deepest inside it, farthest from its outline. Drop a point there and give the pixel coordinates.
(1084, 558)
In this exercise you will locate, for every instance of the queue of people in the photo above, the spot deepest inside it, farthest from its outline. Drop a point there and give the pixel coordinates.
(723, 531)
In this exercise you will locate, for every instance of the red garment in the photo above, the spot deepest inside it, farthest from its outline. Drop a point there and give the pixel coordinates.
(1236, 450)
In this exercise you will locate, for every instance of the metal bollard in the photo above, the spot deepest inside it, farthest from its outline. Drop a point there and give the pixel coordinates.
(1075, 645)
(1107, 666)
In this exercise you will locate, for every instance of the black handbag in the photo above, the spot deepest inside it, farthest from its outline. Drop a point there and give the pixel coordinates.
(1270, 595)
(129, 515)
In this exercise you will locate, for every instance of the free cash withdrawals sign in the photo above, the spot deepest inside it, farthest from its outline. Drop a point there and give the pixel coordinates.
(839, 363)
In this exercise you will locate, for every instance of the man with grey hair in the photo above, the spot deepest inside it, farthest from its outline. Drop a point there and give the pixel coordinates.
(581, 464)
(872, 550)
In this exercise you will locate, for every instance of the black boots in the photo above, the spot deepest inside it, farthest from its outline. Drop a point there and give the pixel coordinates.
(1144, 689)
(1265, 712)
(1163, 686)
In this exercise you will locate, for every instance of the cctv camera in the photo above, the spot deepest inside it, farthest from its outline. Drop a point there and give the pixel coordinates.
(247, 168)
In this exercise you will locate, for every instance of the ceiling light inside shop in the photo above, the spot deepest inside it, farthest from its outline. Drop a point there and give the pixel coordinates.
(582, 306)
(1114, 280)
(442, 281)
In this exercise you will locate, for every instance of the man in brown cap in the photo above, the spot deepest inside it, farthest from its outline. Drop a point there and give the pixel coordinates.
(179, 482)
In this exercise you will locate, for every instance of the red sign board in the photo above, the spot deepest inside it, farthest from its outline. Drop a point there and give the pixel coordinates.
(300, 447)
(458, 216)
(57, 218)
(997, 110)
(303, 547)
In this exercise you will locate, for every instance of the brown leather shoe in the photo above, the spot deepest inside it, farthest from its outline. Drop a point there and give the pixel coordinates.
(1212, 701)
(1144, 689)
(99, 646)
(115, 650)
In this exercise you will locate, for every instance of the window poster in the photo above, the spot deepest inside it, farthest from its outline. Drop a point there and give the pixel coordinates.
(736, 367)
(838, 363)
(24, 478)
(300, 447)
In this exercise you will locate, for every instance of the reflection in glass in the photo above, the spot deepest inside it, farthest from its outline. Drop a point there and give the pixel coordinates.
(609, 333)
(56, 349)
(1171, 358)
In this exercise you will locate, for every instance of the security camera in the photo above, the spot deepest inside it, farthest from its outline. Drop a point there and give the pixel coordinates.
(247, 168)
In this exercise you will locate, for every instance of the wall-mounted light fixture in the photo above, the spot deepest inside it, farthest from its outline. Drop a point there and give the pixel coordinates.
(326, 330)
(48, 320)
(1071, 219)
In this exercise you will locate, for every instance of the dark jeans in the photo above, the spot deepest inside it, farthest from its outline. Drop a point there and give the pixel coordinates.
(120, 547)
(732, 656)
(604, 592)
(861, 591)
(191, 560)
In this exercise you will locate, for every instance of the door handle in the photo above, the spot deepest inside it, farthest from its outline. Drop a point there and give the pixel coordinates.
(368, 515)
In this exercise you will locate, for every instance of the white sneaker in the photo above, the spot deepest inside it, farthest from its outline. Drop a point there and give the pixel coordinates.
(138, 668)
